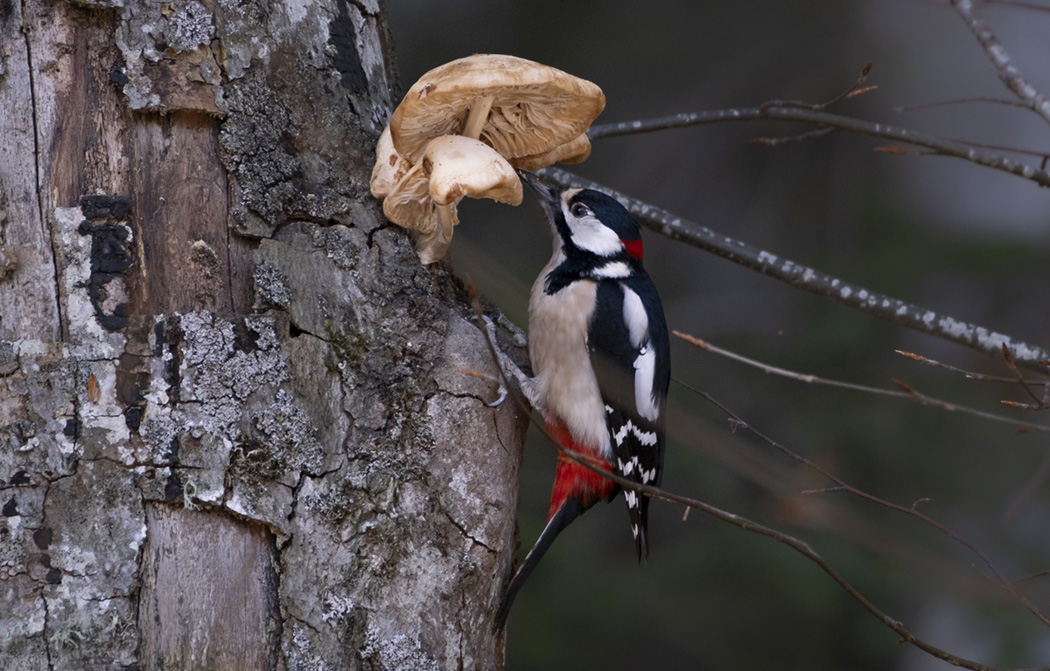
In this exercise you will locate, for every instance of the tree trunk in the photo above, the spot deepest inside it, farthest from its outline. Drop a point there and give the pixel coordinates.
(235, 427)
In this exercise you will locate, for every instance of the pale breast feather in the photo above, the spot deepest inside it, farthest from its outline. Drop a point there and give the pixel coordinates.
(558, 350)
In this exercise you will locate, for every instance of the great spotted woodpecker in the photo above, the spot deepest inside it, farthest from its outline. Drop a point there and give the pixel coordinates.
(600, 356)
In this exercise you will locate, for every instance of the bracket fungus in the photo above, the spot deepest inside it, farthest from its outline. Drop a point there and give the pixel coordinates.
(463, 128)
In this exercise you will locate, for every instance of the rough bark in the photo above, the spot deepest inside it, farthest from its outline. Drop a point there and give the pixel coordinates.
(235, 427)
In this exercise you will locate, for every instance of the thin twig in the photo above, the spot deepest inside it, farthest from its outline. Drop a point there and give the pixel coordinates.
(794, 543)
(1033, 576)
(800, 137)
(912, 511)
(937, 145)
(1020, 378)
(958, 101)
(981, 377)
(1019, 3)
(783, 372)
(1008, 73)
(803, 277)
(854, 90)
(907, 391)
(1039, 476)
(1013, 150)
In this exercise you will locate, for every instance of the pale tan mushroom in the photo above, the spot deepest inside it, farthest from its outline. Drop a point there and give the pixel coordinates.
(424, 200)
(516, 106)
(410, 206)
(574, 151)
(390, 167)
(460, 166)
(462, 126)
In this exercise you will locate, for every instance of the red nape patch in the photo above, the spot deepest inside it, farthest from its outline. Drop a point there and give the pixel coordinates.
(572, 479)
(634, 248)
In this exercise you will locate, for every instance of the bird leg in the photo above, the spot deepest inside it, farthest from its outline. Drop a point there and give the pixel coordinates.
(510, 370)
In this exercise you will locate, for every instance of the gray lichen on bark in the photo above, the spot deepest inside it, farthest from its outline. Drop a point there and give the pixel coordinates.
(318, 450)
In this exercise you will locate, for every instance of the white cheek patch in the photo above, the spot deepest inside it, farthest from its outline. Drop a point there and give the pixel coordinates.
(591, 235)
(588, 233)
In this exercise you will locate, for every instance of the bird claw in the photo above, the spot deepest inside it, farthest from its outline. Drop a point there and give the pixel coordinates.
(507, 366)
(502, 397)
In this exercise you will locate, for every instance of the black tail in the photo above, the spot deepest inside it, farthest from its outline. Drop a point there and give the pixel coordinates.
(570, 510)
(639, 516)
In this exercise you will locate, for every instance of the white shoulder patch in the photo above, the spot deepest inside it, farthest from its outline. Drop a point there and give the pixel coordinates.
(644, 373)
(635, 317)
(637, 321)
(612, 270)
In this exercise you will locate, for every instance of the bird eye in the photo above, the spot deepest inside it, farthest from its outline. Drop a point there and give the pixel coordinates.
(579, 210)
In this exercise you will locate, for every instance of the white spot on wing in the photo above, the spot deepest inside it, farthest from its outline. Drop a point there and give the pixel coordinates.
(644, 373)
(637, 321)
(635, 317)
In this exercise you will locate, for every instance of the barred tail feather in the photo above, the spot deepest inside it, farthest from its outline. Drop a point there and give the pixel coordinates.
(638, 511)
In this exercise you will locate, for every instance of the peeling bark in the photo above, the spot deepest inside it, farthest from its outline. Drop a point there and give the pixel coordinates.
(235, 431)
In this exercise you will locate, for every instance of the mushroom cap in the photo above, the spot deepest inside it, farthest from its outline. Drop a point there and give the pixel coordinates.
(390, 167)
(573, 151)
(535, 108)
(460, 166)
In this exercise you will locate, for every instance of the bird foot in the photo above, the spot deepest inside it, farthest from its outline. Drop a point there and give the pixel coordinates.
(510, 370)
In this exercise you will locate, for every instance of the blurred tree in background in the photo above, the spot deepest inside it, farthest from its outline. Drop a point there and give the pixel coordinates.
(960, 239)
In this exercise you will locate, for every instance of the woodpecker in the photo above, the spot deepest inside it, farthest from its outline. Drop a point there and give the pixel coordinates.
(599, 349)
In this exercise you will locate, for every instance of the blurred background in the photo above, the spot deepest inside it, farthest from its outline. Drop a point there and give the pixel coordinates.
(965, 241)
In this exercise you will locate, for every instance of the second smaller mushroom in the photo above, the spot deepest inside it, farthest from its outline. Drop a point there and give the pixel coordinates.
(425, 198)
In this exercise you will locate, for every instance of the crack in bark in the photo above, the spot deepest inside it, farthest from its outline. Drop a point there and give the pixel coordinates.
(44, 633)
(37, 177)
(229, 229)
(466, 534)
(495, 428)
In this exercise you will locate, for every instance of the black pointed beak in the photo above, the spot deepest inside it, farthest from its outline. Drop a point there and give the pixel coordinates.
(550, 196)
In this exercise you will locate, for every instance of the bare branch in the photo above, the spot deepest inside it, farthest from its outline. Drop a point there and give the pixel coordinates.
(907, 391)
(1039, 403)
(1020, 3)
(1033, 576)
(911, 511)
(803, 277)
(801, 137)
(967, 373)
(959, 101)
(1039, 476)
(1008, 73)
(854, 90)
(774, 112)
(799, 546)
(783, 372)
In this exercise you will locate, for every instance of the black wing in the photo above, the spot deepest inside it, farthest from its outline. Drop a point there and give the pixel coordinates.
(630, 354)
